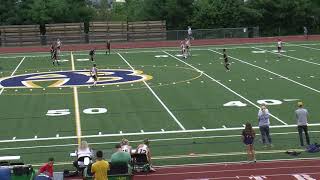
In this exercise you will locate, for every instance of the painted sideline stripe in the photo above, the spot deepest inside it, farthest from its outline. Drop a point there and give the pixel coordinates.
(143, 50)
(226, 87)
(281, 54)
(145, 133)
(140, 140)
(155, 95)
(286, 78)
(302, 45)
(14, 71)
(76, 105)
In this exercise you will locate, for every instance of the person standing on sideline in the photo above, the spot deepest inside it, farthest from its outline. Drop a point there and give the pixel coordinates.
(248, 136)
(189, 33)
(302, 122)
(100, 168)
(264, 123)
(305, 32)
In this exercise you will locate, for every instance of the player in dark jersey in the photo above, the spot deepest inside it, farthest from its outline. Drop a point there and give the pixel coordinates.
(55, 57)
(92, 53)
(108, 47)
(52, 47)
(226, 60)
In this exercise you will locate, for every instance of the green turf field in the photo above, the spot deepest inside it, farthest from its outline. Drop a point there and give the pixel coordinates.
(192, 110)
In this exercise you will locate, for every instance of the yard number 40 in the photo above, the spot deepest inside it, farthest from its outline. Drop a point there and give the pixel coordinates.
(64, 112)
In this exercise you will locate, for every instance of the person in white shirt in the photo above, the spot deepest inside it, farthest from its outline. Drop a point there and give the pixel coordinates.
(125, 147)
(82, 153)
(279, 46)
(94, 74)
(264, 123)
(189, 33)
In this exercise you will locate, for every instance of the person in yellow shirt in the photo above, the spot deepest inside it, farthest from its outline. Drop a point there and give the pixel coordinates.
(100, 168)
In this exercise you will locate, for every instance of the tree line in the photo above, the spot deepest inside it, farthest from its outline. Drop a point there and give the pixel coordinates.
(274, 17)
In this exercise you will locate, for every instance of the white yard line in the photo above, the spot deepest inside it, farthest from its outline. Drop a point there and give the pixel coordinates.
(229, 89)
(76, 105)
(286, 78)
(14, 71)
(156, 96)
(140, 140)
(143, 134)
(281, 54)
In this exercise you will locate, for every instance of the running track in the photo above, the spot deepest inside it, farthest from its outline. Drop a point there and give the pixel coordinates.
(275, 170)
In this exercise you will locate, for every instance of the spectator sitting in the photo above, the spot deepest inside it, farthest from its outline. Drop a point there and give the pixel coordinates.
(125, 147)
(83, 153)
(100, 168)
(120, 157)
(144, 149)
(47, 169)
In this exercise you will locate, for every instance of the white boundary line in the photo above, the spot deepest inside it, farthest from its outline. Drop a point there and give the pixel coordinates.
(76, 105)
(155, 95)
(145, 50)
(229, 89)
(145, 133)
(137, 141)
(14, 71)
(281, 54)
(304, 46)
(286, 78)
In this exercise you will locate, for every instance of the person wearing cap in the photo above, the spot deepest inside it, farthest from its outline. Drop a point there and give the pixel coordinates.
(302, 122)
(264, 123)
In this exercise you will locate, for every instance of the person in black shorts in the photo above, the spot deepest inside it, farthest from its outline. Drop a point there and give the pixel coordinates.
(108, 47)
(52, 47)
(92, 53)
(94, 74)
(248, 136)
(55, 57)
(226, 60)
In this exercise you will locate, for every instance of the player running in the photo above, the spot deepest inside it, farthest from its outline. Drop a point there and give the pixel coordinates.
(226, 60)
(279, 44)
(92, 53)
(188, 46)
(52, 47)
(58, 47)
(108, 47)
(94, 74)
(55, 57)
(183, 49)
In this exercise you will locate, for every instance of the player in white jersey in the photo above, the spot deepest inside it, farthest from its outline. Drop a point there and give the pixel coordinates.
(183, 49)
(279, 45)
(94, 74)
(125, 147)
(189, 33)
(144, 149)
